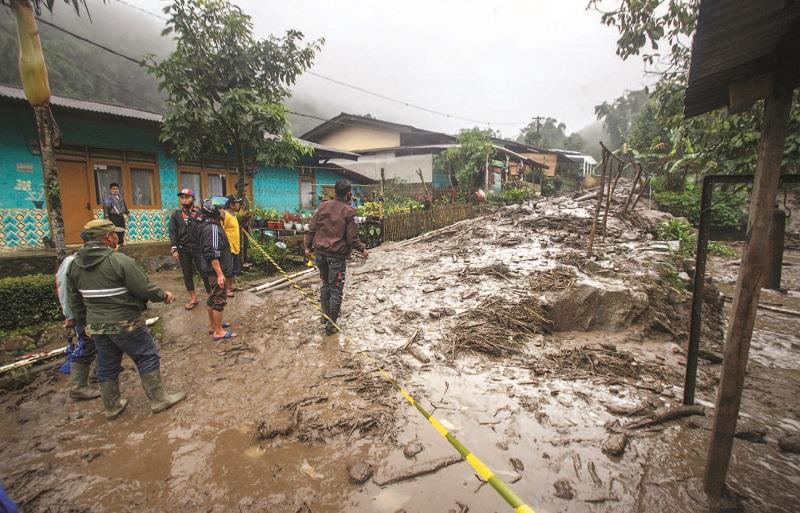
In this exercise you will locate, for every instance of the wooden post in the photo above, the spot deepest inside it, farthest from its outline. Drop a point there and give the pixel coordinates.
(748, 288)
(599, 203)
(775, 250)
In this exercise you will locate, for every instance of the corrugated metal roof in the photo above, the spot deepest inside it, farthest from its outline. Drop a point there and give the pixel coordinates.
(71, 103)
(736, 40)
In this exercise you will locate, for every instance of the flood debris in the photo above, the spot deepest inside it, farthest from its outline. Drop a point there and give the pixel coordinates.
(564, 490)
(662, 416)
(588, 361)
(497, 327)
(615, 444)
(790, 443)
(412, 449)
(384, 477)
(360, 472)
(557, 278)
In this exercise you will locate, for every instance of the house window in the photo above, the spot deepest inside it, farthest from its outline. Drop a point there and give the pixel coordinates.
(192, 181)
(142, 186)
(216, 185)
(104, 176)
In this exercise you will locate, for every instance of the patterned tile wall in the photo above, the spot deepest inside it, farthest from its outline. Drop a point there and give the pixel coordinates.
(23, 228)
(145, 225)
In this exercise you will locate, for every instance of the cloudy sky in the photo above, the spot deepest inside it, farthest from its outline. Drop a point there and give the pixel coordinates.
(498, 62)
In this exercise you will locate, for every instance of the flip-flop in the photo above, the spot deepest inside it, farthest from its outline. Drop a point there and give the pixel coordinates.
(227, 335)
(190, 305)
(230, 294)
(224, 325)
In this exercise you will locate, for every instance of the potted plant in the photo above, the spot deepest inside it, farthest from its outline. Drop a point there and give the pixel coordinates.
(273, 219)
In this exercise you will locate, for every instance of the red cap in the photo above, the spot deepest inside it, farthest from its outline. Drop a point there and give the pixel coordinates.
(186, 192)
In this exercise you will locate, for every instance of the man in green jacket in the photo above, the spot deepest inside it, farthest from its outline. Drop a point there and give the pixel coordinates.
(108, 293)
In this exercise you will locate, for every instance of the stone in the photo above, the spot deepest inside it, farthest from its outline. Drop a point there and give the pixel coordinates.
(629, 235)
(17, 342)
(615, 444)
(282, 423)
(516, 463)
(360, 472)
(564, 490)
(750, 433)
(413, 448)
(790, 443)
(591, 306)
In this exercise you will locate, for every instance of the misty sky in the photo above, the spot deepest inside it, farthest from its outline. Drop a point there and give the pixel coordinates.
(497, 61)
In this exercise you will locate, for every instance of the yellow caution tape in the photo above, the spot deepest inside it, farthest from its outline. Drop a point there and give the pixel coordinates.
(479, 466)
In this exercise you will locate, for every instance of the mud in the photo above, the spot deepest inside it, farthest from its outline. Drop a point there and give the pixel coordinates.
(284, 419)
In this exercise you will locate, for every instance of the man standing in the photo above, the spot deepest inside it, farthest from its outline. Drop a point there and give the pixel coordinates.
(332, 236)
(80, 359)
(108, 293)
(184, 227)
(230, 223)
(217, 266)
(115, 209)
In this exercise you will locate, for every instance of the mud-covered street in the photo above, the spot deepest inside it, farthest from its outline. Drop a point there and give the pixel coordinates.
(545, 364)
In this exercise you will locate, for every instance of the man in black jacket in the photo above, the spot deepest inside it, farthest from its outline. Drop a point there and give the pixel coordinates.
(217, 266)
(184, 228)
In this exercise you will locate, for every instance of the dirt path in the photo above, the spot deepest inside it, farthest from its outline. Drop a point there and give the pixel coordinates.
(275, 418)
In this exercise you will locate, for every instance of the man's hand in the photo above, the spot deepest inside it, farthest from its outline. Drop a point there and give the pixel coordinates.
(169, 297)
(69, 323)
(221, 281)
(364, 253)
(175, 255)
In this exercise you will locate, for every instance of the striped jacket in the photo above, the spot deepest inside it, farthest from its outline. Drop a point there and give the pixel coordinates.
(108, 288)
(214, 246)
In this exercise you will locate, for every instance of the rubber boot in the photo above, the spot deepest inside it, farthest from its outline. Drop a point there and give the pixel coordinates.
(154, 388)
(109, 390)
(79, 375)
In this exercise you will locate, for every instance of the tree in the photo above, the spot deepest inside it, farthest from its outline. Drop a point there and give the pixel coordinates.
(618, 116)
(550, 134)
(225, 88)
(35, 83)
(661, 136)
(464, 162)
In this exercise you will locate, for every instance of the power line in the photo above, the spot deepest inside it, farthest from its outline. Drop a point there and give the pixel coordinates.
(89, 41)
(141, 9)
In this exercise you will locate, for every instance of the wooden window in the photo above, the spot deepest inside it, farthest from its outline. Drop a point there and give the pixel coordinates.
(104, 176)
(211, 179)
(136, 174)
(142, 187)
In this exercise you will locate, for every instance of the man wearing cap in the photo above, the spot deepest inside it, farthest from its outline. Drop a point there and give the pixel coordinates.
(184, 227)
(108, 293)
(230, 223)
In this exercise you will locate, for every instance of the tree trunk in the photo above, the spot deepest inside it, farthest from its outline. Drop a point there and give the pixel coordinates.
(46, 127)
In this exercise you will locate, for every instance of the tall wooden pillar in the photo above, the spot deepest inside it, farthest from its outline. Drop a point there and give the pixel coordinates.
(748, 287)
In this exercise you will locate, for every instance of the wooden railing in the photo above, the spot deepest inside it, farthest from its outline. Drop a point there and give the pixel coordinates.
(410, 224)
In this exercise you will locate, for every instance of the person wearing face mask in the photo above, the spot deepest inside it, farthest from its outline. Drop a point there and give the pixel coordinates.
(184, 236)
(332, 236)
(108, 293)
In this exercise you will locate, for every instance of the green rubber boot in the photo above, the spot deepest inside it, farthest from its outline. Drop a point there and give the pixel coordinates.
(109, 390)
(154, 388)
(79, 375)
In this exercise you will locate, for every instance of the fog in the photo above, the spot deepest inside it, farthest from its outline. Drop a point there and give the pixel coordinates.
(484, 63)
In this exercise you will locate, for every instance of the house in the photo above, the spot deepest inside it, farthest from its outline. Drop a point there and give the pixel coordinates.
(104, 143)
(396, 151)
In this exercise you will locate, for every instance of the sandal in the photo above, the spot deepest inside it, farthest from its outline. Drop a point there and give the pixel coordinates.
(224, 325)
(227, 335)
(191, 304)
(230, 294)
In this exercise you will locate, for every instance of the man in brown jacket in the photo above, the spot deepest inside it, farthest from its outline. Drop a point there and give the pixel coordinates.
(332, 236)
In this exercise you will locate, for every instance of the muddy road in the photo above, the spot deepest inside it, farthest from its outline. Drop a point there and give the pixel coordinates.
(533, 356)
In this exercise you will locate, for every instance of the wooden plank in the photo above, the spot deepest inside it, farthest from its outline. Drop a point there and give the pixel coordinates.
(748, 288)
(599, 203)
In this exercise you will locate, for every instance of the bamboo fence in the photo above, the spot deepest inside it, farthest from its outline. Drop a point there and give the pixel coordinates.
(411, 224)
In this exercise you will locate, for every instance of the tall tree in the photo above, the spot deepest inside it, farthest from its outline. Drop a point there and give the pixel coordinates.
(225, 88)
(550, 133)
(35, 83)
(619, 115)
(660, 32)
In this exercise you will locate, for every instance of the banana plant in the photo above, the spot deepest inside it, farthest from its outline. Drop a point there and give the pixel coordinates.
(33, 73)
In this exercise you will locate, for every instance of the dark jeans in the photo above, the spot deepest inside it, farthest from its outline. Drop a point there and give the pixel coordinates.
(189, 264)
(118, 220)
(237, 265)
(332, 271)
(88, 351)
(138, 344)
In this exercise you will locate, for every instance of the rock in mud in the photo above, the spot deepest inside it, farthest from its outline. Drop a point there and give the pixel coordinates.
(517, 464)
(282, 423)
(412, 449)
(790, 443)
(564, 490)
(751, 434)
(589, 306)
(615, 444)
(360, 472)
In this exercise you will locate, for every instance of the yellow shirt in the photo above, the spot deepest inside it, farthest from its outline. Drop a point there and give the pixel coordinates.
(231, 226)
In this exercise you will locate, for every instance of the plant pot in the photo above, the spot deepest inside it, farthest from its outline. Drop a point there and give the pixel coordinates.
(274, 225)
(306, 227)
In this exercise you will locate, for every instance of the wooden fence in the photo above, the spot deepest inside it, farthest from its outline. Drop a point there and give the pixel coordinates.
(410, 224)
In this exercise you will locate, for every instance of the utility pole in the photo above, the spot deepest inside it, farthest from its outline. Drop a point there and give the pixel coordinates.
(538, 120)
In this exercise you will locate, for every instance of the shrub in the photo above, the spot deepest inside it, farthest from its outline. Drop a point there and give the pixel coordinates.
(28, 300)
(727, 211)
(680, 230)
(512, 195)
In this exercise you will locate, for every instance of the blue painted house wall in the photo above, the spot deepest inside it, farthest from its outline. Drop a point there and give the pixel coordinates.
(23, 225)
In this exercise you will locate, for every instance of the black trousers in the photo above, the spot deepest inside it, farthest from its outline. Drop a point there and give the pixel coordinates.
(118, 220)
(332, 272)
(190, 263)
